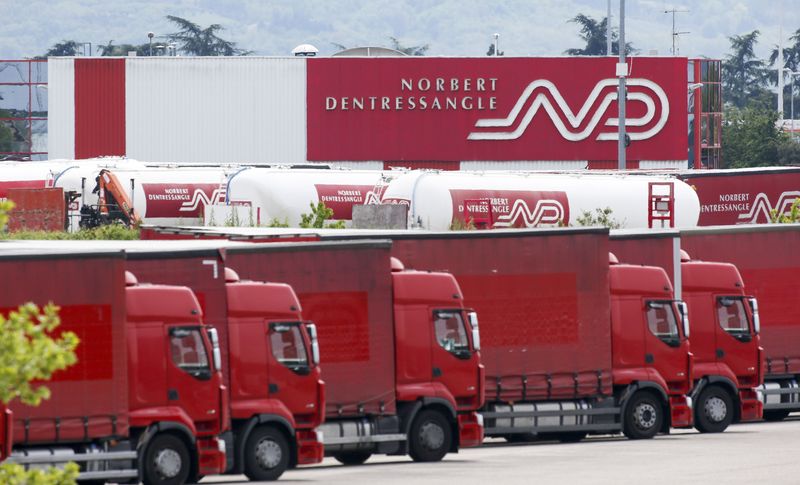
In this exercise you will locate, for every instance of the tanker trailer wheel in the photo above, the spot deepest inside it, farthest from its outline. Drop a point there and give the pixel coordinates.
(166, 461)
(352, 457)
(644, 416)
(266, 454)
(776, 415)
(714, 410)
(430, 437)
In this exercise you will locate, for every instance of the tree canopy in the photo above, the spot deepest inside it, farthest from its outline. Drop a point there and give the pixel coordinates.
(593, 33)
(194, 40)
(743, 74)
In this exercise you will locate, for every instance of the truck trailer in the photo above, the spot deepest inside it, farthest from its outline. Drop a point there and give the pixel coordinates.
(400, 350)
(144, 400)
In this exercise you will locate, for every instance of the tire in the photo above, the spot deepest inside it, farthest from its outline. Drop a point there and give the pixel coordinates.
(565, 436)
(714, 410)
(166, 461)
(644, 416)
(266, 454)
(776, 415)
(352, 457)
(520, 437)
(430, 437)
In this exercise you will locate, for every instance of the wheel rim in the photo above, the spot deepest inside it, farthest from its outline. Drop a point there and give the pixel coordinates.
(716, 409)
(168, 463)
(645, 415)
(431, 436)
(268, 454)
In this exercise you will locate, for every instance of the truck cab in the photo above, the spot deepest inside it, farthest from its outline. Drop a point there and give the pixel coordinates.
(650, 345)
(440, 378)
(728, 358)
(277, 396)
(177, 402)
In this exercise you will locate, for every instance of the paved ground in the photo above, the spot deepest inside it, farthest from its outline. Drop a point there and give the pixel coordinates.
(750, 454)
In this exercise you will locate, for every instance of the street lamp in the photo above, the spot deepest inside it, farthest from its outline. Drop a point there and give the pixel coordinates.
(792, 75)
(150, 36)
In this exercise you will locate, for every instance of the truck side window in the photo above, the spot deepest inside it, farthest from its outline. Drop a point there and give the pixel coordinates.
(662, 323)
(288, 346)
(188, 349)
(732, 316)
(450, 332)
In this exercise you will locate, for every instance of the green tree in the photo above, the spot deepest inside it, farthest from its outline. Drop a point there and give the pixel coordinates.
(29, 352)
(317, 217)
(415, 50)
(593, 33)
(197, 41)
(64, 48)
(792, 216)
(122, 49)
(491, 53)
(750, 137)
(743, 74)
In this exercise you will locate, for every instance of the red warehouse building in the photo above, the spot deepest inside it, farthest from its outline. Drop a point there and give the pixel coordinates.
(375, 112)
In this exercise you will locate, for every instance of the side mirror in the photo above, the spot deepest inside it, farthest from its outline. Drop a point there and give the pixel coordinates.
(215, 351)
(756, 319)
(683, 308)
(476, 335)
(312, 333)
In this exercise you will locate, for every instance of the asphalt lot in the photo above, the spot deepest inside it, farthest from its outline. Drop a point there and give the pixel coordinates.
(747, 453)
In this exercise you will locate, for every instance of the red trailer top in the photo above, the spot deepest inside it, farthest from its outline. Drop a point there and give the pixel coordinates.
(542, 301)
(346, 289)
(769, 264)
(89, 400)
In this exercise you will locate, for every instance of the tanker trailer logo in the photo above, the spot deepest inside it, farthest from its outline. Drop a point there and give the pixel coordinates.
(544, 94)
(181, 200)
(511, 208)
(762, 206)
(342, 198)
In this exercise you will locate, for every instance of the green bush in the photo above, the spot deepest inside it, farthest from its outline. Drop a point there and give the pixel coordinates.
(601, 217)
(13, 474)
(317, 217)
(107, 232)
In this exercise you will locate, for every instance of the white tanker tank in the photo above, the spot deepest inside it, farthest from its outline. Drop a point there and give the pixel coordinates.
(443, 200)
(263, 195)
(161, 196)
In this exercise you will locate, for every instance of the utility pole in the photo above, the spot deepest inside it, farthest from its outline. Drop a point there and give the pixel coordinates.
(675, 34)
(622, 71)
(780, 67)
(609, 46)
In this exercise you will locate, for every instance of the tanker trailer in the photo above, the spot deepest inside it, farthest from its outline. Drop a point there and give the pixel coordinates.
(262, 195)
(440, 201)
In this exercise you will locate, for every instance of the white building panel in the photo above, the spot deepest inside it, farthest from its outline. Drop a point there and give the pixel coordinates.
(61, 108)
(524, 165)
(663, 164)
(225, 110)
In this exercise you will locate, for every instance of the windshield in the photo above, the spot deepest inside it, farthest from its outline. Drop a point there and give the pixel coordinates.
(187, 349)
(661, 321)
(287, 344)
(450, 331)
(732, 316)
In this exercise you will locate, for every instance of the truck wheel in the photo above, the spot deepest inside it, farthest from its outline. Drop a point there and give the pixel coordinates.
(266, 454)
(352, 457)
(776, 415)
(643, 416)
(166, 461)
(564, 437)
(714, 411)
(430, 436)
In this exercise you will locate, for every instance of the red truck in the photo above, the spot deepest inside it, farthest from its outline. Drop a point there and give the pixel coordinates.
(726, 348)
(399, 348)
(270, 356)
(768, 261)
(145, 399)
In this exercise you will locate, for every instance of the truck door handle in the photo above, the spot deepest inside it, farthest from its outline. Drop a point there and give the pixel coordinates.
(273, 388)
(720, 353)
(437, 372)
(172, 394)
(648, 358)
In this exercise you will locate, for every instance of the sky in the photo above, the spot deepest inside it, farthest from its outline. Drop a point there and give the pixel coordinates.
(450, 27)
